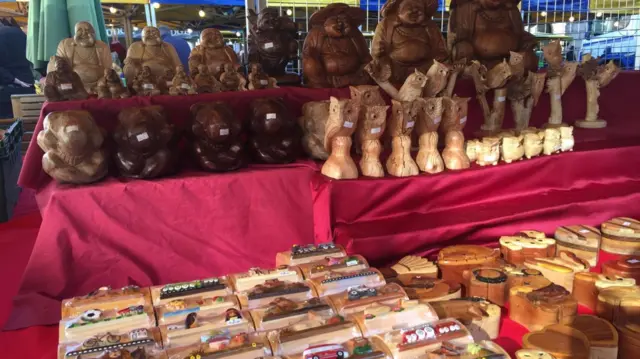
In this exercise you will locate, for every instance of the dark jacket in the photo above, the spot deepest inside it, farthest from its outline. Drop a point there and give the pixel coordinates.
(13, 58)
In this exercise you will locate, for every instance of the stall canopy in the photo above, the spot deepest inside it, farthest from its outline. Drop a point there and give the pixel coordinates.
(53, 20)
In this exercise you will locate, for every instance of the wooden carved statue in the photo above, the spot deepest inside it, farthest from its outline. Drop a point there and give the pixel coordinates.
(552, 142)
(488, 152)
(167, 80)
(206, 82)
(313, 122)
(523, 91)
(512, 148)
(560, 75)
(454, 154)
(595, 77)
(533, 143)
(88, 57)
(454, 118)
(272, 43)
(487, 31)
(63, 83)
(212, 52)
(181, 84)
(411, 88)
(145, 143)
(403, 119)
(275, 136)
(231, 79)
(407, 38)
(438, 76)
(496, 80)
(146, 84)
(152, 52)
(429, 119)
(341, 124)
(367, 95)
(566, 138)
(73, 147)
(110, 86)
(335, 52)
(258, 79)
(370, 129)
(216, 137)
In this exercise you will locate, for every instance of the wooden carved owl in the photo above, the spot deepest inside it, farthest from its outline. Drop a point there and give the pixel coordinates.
(454, 115)
(498, 76)
(404, 115)
(607, 73)
(342, 121)
(412, 87)
(373, 122)
(429, 114)
(437, 79)
(569, 71)
(516, 61)
(367, 95)
(552, 53)
(313, 123)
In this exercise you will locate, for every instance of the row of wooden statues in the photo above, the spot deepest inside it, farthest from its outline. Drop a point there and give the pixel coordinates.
(146, 142)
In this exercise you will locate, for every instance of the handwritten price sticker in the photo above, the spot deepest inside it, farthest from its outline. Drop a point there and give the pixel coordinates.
(66, 86)
(348, 124)
(271, 116)
(501, 98)
(375, 130)
(224, 131)
(437, 120)
(268, 45)
(264, 82)
(463, 120)
(143, 136)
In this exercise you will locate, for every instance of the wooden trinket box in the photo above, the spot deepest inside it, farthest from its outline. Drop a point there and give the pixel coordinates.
(524, 277)
(419, 341)
(106, 298)
(263, 294)
(224, 345)
(621, 235)
(533, 354)
(516, 249)
(427, 289)
(292, 343)
(628, 267)
(210, 287)
(536, 309)
(136, 343)
(619, 304)
(487, 283)
(629, 340)
(454, 260)
(309, 253)
(479, 350)
(409, 267)
(381, 318)
(481, 318)
(583, 241)
(603, 337)
(561, 341)
(243, 282)
(177, 310)
(191, 330)
(282, 313)
(587, 285)
(560, 270)
(359, 298)
(333, 264)
(336, 282)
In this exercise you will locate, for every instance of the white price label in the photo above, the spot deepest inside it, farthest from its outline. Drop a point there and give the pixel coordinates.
(264, 82)
(348, 124)
(437, 120)
(626, 224)
(235, 148)
(463, 120)
(633, 261)
(185, 86)
(376, 130)
(72, 128)
(584, 231)
(410, 124)
(268, 45)
(271, 116)
(501, 98)
(66, 86)
(143, 136)
(224, 131)
(148, 86)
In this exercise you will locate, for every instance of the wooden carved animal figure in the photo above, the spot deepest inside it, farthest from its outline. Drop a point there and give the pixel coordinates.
(552, 143)
(368, 95)
(552, 53)
(454, 155)
(566, 138)
(403, 119)
(472, 148)
(313, 123)
(110, 86)
(63, 83)
(533, 144)
(167, 81)
(429, 119)
(489, 153)
(370, 128)
(275, 136)
(437, 79)
(516, 62)
(607, 73)
(454, 115)
(512, 148)
(411, 88)
(341, 124)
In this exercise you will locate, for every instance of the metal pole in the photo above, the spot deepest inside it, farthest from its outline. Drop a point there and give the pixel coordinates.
(153, 16)
(147, 14)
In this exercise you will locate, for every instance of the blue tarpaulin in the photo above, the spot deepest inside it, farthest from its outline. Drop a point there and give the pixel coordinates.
(555, 5)
(374, 5)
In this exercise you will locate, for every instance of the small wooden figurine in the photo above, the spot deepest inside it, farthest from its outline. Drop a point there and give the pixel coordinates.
(73, 147)
(212, 52)
(167, 81)
(538, 308)
(489, 151)
(619, 304)
(275, 136)
(370, 130)
(587, 286)
(628, 267)
(621, 235)
(151, 52)
(484, 80)
(512, 148)
(403, 120)
(146, 84)
(583, 241)
(533, 144)
(231, 79)
(313, 123)
(561, 341)
(110, 86)
(454, 118)
(560, 76)
(341, 124)
(595, 78)
(481, 317)
(411, 88)
(63, 83)
(523, 93)
(454, 260)
(471, 148)
(145, 143)
(552, 141)
(258, 79)
(487, 283)
(181, 84)
(429, 118)
(206, 82)
(566, 138)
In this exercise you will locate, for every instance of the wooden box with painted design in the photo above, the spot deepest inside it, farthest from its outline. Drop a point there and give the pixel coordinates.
(309, 253)
(177, 310)
(133, 343)
(383, 317)
(561, 341)
(524, 277)
(481, 318)
(479, 350)
(538, 308)
(621, 235)
(337, 282)
(629, 339)
(583, 241)
(283, 313)
(263, 294)
(359, 298)
(333, 264)
(429, 289)
(454, 260)
(209, 287)
(533, 354)
(560, 270)
(587, 286)
(243, 282)
(221, 344)
(291, 343)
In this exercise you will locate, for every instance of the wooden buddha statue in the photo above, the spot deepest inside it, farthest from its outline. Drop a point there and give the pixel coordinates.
(407, 38)
(152, 52)
(212, 52)
(88, 57)
(335, 52)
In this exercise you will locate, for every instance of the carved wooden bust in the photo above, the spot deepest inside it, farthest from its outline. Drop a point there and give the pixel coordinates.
(152, 52)
(72, 143)
(216, 137)
(88, 57)
(63, 83)
(407, 38)
(275, 136)
(335, 52)
(144, 143)
(272, 42)
(212, 52)
(487, 30)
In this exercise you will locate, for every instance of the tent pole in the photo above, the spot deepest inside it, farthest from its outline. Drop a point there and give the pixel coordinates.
(153, 16)
(147, 14)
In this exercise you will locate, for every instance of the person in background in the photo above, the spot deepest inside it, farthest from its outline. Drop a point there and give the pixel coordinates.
(571, 53)
(181, 46)
(15, 70)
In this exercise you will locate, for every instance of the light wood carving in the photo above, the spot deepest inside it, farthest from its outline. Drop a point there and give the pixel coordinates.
(496, 80)
(429, 119)
(595, 77)
(560, 76)
(403, 119)
(370, 129)
(552, 142)
(341, 124)
(411, 88)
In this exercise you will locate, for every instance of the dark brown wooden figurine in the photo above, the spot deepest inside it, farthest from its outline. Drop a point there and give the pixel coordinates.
(146, 84)
(272, 43)
(335, 52)
(63, 84)
(407, 38)
(275, 136)
(216, 137)
(206, 82)
(181, 84)
(258, 79)
(110, 86)
(212, 52)
(231, 79)
(143, 138)
(487, 30)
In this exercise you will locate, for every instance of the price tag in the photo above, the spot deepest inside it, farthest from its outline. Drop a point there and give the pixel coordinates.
(410, 124)
(264, 82)
(437, 120)
(235, 148)
(348, 124)
(148, 86)
(626, 224)
(463, 120)
(66, 86)
(375, 130)
(633, 261)
(501, 98)
(143, 136)
(271, 116)
(268, 45)
(224, 131)
(185, 86)
(72, 128)
(584, 231)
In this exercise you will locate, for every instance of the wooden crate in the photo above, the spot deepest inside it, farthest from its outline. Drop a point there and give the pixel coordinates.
(27, 107)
